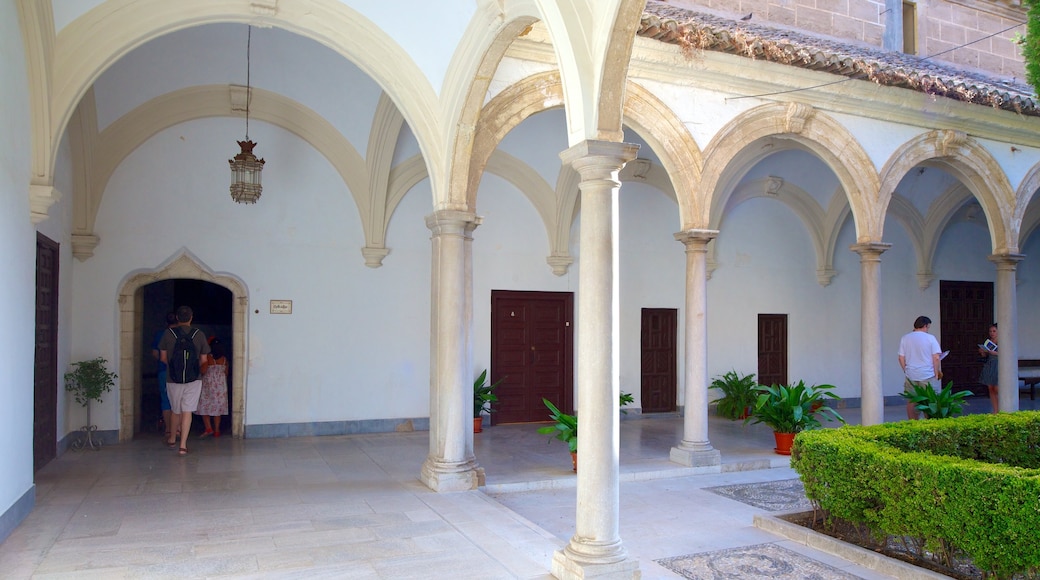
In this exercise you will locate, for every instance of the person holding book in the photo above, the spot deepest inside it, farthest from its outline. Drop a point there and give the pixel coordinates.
(919, 357)
(988, 376)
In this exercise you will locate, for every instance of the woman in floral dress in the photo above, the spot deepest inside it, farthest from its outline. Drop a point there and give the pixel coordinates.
(213, 403)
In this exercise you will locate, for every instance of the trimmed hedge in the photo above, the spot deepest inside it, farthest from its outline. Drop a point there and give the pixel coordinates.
(972, 483)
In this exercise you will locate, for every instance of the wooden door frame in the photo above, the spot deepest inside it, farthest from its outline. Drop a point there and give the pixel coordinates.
(674, 316)
(52, 380)
(568, 348)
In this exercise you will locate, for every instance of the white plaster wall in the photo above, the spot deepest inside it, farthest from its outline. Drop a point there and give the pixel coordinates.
(538, 141)
(18, 254)
(1028, 298)
(66, 11)
(414, 26)
(509, 252)
(215, 54)
(653, 275)
(767, 266)
(878, 138)
(704, 112)
(802, 169)
(512, 70)
(356, 345)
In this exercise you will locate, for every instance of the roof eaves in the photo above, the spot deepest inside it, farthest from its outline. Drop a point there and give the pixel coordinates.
(693, 30)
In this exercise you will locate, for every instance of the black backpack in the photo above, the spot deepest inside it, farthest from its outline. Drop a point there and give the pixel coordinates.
(184, 361)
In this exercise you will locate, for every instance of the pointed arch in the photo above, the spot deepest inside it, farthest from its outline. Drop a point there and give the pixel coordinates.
(1027, 214)
(593, 72)
(131, 310)
(779, 126)
(972, 165)
(80, 55)
(127, 133)
(487, 38)
(798, 201)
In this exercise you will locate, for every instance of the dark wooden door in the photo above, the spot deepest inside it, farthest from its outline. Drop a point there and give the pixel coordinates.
(965, 313)
(772, 349)
(532, 340)
(657, 370)
(45, 407)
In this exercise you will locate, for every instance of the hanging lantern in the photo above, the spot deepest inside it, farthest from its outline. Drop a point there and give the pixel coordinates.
(246, 168)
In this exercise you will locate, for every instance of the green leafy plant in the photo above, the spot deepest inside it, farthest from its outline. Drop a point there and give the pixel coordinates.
(945, 403)
(625, 399)
(89, 380)
(739, 393)
(1030, 44)
(565, 427)
(483, 395)
(790, 408)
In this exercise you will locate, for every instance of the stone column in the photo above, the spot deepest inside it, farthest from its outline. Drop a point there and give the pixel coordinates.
(1007, 330)
(595, 549)
(872, 395)
(695, 449)
(451, 465)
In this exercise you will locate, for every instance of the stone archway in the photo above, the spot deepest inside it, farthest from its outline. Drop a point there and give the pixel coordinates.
(131, 337)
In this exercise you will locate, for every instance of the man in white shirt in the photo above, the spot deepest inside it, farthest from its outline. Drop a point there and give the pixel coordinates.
(919, 356)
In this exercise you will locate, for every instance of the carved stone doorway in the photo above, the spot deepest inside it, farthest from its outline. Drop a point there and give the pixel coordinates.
(133, 342)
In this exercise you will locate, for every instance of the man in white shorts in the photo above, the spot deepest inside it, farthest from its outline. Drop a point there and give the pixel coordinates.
(183, 379)
(919, 356)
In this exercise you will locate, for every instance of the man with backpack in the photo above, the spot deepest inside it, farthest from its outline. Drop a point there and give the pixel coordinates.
(183, 348)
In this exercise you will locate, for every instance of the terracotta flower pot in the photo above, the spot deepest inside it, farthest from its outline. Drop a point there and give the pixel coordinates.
(784, 442)
(574, 461)
(477, 424)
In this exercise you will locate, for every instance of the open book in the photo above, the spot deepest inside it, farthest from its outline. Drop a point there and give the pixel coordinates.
(989, 345)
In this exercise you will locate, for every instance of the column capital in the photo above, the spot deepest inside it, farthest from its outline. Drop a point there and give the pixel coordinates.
(450, 221)
(870, 250)
(1007, 261)
(695, 239)
(610, 155)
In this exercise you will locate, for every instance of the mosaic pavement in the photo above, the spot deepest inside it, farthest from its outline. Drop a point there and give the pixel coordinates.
(763, 561)
(786, 495)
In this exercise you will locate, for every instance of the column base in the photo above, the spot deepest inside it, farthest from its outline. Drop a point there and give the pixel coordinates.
(565, 567)
(695, 456)
(451, 476)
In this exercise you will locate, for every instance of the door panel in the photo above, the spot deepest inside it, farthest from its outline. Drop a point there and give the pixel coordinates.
(772, 349)
(657, 371)
(531, 346)
(965, 313)
(45, 408)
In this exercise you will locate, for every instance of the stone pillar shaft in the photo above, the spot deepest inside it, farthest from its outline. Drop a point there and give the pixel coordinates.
(451, 465)
(596, 546)
(695, 449)
(1007, 330)
(872, 395)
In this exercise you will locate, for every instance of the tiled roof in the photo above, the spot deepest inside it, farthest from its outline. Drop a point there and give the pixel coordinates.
(694, 30)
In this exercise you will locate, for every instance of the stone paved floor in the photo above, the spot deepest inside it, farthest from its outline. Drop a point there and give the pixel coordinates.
(351, 507)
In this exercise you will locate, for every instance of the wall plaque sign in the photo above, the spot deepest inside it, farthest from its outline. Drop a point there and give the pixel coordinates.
(281, 307)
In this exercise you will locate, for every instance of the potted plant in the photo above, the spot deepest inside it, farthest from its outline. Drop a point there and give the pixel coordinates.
(945, 403)
(739, 394)
(88, 381)
(564, 428)
(482, 399)
(788, 410)
(625, 399)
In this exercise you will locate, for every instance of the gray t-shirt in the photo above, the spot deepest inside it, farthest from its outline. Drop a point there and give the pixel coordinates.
(169, 340)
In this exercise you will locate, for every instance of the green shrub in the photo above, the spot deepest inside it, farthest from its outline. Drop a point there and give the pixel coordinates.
(967, 483)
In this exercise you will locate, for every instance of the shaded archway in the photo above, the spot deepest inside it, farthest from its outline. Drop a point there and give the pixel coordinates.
(132, 340)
